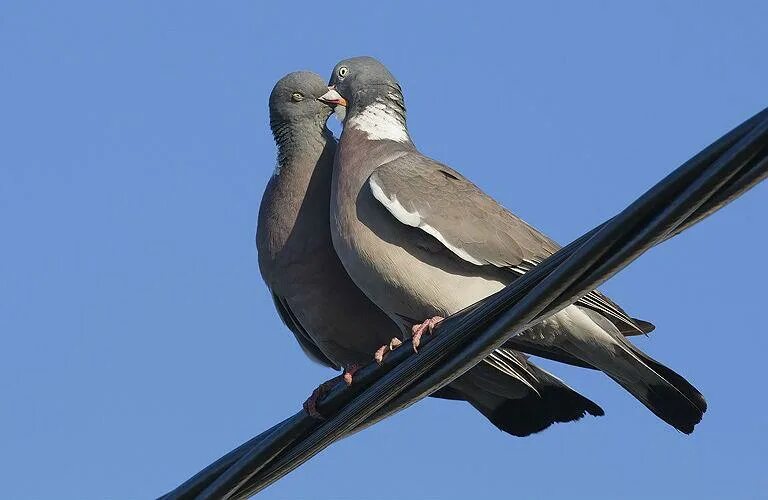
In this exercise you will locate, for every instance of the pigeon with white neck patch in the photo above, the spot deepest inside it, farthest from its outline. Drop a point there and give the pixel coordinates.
(422, 241)
(333, 321)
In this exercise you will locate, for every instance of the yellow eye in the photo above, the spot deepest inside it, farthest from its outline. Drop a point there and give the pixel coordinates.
(343, 71)
(297, 96)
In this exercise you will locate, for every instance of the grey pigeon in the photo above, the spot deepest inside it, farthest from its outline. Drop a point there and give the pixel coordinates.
(423, 242)
(333, 321)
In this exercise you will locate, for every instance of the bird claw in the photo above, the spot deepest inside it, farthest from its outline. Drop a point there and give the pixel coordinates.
(417, 331)
(349, 372)
(386, 349)
(310, 405)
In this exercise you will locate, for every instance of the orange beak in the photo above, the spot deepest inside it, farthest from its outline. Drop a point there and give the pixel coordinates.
(332, 97)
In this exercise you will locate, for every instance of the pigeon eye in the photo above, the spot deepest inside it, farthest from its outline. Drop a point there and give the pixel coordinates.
(297, 96)
(343, 71)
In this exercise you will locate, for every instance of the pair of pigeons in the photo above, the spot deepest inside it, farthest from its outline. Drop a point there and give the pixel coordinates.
(366, 240)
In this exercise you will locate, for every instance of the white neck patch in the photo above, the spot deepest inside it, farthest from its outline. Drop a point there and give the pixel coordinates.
(379, 123)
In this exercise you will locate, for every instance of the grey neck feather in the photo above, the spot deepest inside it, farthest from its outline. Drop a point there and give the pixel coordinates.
(296, 141)
(295, 203)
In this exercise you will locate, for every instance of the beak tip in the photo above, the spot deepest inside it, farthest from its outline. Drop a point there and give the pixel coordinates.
(333, 97)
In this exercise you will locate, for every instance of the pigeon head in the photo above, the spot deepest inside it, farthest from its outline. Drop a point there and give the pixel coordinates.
(368, 98)
(295, 104)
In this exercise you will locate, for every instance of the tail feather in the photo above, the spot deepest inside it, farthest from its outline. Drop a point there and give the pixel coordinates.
(645, 327)
(666, 393)
(682, 385)
(513, 407)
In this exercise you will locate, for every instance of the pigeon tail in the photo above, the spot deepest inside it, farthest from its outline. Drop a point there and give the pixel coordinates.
(527, 413)
(666, 393)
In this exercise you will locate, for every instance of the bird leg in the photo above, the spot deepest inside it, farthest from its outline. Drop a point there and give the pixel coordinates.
(386, 349)
(426, 327)
(310, 405)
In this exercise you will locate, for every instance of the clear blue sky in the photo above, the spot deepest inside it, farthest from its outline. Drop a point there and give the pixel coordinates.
(139, 342)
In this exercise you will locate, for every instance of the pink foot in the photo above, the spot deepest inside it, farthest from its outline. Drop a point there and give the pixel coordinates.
(310, 405)
(349, 371)
(386, 349)
(426, 327)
